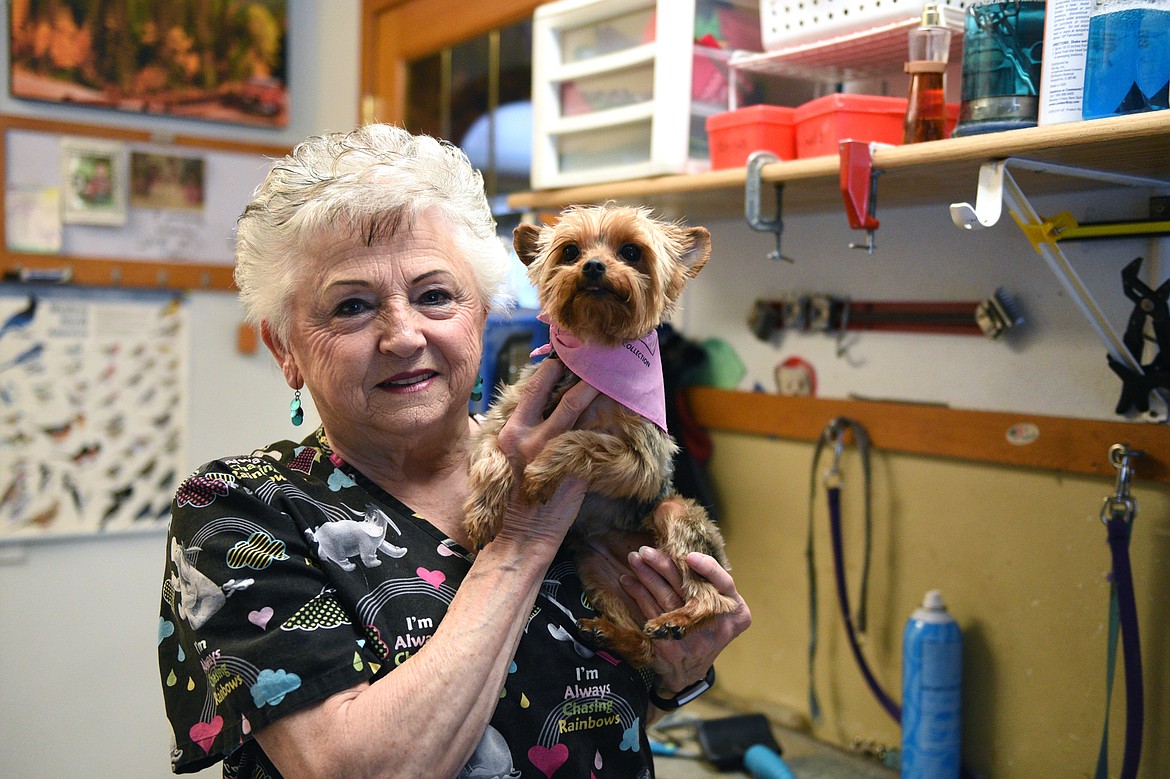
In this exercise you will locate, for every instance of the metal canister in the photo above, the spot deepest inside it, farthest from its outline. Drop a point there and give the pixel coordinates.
(1003, 45)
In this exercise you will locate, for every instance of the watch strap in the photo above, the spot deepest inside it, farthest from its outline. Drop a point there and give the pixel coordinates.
(686, 695)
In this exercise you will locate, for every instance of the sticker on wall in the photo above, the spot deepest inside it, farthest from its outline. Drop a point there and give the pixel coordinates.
(1022, 434)
(796, 376)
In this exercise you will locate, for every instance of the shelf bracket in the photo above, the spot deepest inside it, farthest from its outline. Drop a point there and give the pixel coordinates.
(990, 195)
(997, 188)
(751, 201)
(859, 189)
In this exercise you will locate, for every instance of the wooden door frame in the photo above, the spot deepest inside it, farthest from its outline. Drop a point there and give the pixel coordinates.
(394, 32)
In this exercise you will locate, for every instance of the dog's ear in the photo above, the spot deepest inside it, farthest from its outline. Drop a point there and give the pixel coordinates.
(698, 251)
(525, 239)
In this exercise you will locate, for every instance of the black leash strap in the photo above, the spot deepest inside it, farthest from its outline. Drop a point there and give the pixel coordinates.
(1118, 513)
(834, 434)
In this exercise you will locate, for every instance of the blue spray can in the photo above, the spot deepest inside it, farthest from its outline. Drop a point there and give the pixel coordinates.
(932, 660)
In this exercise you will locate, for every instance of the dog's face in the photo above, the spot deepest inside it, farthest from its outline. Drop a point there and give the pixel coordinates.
(610, 274)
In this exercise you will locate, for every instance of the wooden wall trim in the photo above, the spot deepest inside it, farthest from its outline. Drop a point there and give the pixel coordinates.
(1063, 444)
(13, 122)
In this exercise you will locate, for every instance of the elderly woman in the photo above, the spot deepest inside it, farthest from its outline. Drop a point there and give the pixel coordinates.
(322, 615)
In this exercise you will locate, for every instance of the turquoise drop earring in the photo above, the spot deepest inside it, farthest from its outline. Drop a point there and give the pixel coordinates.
(477, 390)
(295, 412)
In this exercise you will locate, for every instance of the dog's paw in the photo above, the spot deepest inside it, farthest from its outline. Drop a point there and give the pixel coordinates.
(539, 486)
(481, 524)
(660, 629)
(594, 629)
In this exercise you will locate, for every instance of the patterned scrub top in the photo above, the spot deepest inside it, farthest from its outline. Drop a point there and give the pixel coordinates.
(291, 577)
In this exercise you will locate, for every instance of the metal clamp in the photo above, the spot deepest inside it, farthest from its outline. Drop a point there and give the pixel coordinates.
(751, 201)
(859, 189)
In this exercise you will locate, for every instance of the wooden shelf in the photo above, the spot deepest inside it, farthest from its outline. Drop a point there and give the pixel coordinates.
(934, 172)
(1063, 444)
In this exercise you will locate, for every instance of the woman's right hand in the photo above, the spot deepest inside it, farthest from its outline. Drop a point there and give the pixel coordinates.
(524, 437)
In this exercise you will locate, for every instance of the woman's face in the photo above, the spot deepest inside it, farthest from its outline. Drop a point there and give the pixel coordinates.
(388, 338)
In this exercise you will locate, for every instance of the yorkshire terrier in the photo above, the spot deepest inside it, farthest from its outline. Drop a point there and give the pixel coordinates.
(606, 277)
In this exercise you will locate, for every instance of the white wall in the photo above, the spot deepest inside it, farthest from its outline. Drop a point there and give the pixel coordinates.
(79, 688)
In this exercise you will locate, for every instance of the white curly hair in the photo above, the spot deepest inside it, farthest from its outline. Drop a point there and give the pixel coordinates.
(366, 185)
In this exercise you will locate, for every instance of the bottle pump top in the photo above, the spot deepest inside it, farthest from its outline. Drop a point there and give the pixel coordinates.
(929, 43)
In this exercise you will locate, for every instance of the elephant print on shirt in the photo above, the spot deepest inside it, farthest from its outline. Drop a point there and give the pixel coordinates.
(197, 598)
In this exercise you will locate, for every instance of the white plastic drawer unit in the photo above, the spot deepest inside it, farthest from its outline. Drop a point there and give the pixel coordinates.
(619, 90)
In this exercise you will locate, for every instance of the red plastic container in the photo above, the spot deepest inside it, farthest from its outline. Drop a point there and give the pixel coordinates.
(734, 135)
(821, 124)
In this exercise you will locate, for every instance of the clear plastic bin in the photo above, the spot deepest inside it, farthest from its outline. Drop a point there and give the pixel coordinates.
(620, 90)
(619, 33)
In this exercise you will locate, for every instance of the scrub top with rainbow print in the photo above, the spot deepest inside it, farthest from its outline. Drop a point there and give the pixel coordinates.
(291, 577)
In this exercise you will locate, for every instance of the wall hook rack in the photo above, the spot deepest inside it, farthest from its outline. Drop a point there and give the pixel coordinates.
(859, 189)
(997, 188)
(751, 201)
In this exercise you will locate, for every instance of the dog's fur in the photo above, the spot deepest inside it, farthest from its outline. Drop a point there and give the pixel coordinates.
(626, 459)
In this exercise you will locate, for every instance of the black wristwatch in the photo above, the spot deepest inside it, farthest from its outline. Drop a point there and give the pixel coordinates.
(687, 695)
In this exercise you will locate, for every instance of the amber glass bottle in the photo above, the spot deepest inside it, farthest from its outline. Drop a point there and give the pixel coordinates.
(929, 48)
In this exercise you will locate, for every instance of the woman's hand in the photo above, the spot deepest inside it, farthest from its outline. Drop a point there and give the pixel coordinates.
(524, 437)
(527, 431)
(656, 586)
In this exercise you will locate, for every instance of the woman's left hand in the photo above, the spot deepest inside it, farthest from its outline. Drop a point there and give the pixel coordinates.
(656, 586)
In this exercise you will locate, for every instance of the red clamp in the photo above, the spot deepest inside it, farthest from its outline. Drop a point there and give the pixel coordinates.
(859, 189)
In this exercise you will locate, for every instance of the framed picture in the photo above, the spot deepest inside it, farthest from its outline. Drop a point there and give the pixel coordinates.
(166, 181)
(146, 57)
(93, 177)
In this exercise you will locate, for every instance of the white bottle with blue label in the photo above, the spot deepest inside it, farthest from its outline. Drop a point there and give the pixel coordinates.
(1127, 64)
(932, 661)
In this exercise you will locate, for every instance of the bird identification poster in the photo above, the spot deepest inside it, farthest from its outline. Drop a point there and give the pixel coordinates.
(92, 410)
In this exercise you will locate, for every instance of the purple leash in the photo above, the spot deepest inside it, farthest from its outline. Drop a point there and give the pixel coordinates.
(1118, 513)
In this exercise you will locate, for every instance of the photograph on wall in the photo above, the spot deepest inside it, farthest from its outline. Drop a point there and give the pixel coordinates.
(216, 60)
(93, 175)
(92, 404)
(166, 181)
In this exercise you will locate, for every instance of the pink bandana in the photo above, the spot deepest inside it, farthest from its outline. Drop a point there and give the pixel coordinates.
(631, 373)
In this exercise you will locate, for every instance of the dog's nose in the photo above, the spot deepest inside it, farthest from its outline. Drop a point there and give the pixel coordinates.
(593, 269)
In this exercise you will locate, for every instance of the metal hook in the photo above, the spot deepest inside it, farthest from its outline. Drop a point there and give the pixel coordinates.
(751, 201)
(835, 434)
(1121, 504)
(988, 202)
(842, 347)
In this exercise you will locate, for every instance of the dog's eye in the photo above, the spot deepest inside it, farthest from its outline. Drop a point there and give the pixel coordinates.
(630, 252)
(570, 253)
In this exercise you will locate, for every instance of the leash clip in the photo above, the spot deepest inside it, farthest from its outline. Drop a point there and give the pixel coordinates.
(1121, 504)
(835, 434)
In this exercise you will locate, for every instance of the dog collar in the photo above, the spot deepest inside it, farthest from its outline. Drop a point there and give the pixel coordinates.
(630, 373)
